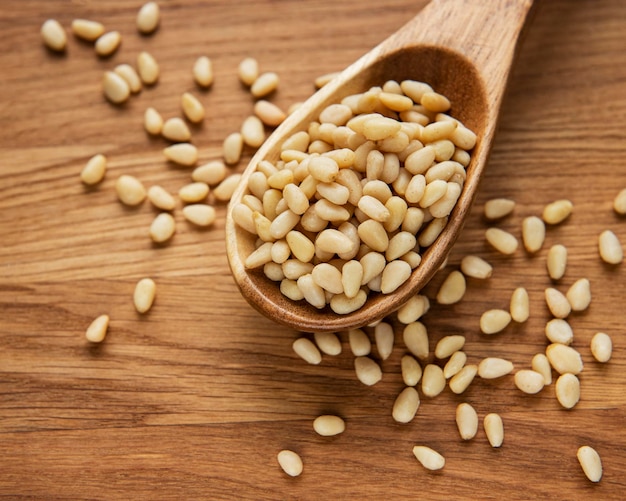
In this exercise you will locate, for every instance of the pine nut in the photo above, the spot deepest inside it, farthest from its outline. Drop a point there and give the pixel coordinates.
(373, 234)
(415, 89)
(493, 367)
(541, 364)
(556, 212)
(529, 381)
(429, 458)
(290, 462)
(360, 343)
(533, 233)
(53, 35)
(328, 425)
(462, 379)
(211, 173)
(95, 169)
(559, 331)
(162, 228)
(232, 148)
(447, 345)
(87, 30)
(148, 68)
(498, 208)
(199, 214)
(307, 351)
(466, 421)
(476, 267)
(564, 359)
(557, 261)
(501, 240)
(619, 204)
(153, 122)
(248, 71)
(351, 278)
(601, 347)
(185, 154)
(452, 289)
(454, 364)
(610, 248)
(579, 295)
(557, 303)
(342, 304)
(253, 131)
(176, 130)
(415, 338)
(193, 192)
(270, 114)
(406, 405)
(97, 330)
(128, 73)
(384, 337)
(324, 79)
(160, 198)
(130, 190)
(148, 18)
(313, 293)
(144, 294)
(115, 88)
(413, 309)
(394, 275)
(590, 462)
(433, 380)
(411, 370)
(328, 343)
(264, 84)
(520, 305)
(203, 72)
(567, 390)
(108, 43)
(192, 108)
(494, 321)
(494, 429)
(367, 371)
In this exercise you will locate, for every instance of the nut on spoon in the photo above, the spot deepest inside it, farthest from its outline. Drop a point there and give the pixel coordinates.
(465, 50)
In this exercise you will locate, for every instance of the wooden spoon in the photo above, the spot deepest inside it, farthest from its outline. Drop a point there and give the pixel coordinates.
(465, 50)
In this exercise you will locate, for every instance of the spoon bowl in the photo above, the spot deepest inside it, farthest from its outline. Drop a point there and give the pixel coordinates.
(465, 50)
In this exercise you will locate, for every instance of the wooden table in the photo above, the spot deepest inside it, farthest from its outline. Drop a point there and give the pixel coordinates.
(195, 399)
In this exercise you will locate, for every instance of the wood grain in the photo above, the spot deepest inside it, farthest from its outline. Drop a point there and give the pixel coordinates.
(194, 400)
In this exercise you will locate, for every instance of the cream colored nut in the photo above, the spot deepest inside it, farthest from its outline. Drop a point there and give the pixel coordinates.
(211, 173)
(367, 371)
(53, 35)
(342, 304)
(327, 276)
(175, 129)
(203, 72)
(415, 89)
(493, 367)
(87, 30)
(619, 204)
(476, 267)
(161, 198)
(557, 261)
(307, 351)
(360, 343)
(413, 309)
(462, 379)
(494, 321)
(520, 305)
(270, 114)
(601, 347)
(324, 79)
(193, 192)
(433, 380)
(232, 148)
(115, 87)
(95, 169)
(184, 154)
(97, 330)
(419, 161)
(253, 131)
(226, 188)
(452, 289)
(610, 248)
(128, 73)
(328, 425)
(148, 68)
(567, 390)
(152, 121)
(557, 303)
(494, 429)
(533, 233)
(529, 381)
(415, 338)
(590, 462)
(406, 405)
(108, 43)
(429, 458)
(454, 364)
(503, 241)
(199, 214)
(162, 228)
(264, 84)
(328, 343)
(435, 102)
(290, 462)
(130, 190)
(248, 71)
(373, 234)
(351, 278)
(447, 345)
(466, 421)
(376, 128)
(394, 275)
(301, 247)
(148, 17)
(557, 211)
(579, 294)
(558, 330)
(541, 364)
(313, 293)
(564, 359)
(411, 370)
(143, 297)
(260, 256)
(192, 107)
(384, 337)
(498, 208)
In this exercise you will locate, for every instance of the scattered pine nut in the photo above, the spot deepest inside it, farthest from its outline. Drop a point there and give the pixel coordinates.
(567, 390)
(462, 379)
(564, 359)
(367, 371)
(494, 429)
(270, 114)
(199, 214)
(406, 405)
(97, 330)
(253, 131)
(290, 462)
(144, 294)
(494, 321)
(161, 198)
(328, 425)
(162, 228)
(541, 364)
(193, 192)
(108, 43)
(556, 212)
(413, 309)
(557, 261)
(203, 72)
(529, 381)
(533, 233)
(454, 364)
(466, 421)
(452, 289)
(307, 351)
(619, 204)
(476, 267)
(360, 343)
(447, 345)
(498, 208)
(130, 190)
(153, 122)
(429, 458)
(95, 169)
(610, 248)
(248, 71)
(232, 148)
(415, 338)
(590, 462)
(115, 87)
(176, 130)
(601, 347)
(493, 367)
(520, 305)
(185, 154)
(411, 370)
(328, 343)
(579, 295)
(384, 337)
(558, 330)
(148, 68)
(192, 108)
(225, 189)
(128, 73)
(148, 18)
(433, 380)
(87, 30)
(324, 79)
(264, 84)
(211, 173)
(557, 303)
(53, 35)
(502, 241)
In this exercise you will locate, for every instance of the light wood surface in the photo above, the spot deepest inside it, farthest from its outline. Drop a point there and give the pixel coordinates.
(195, 399)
